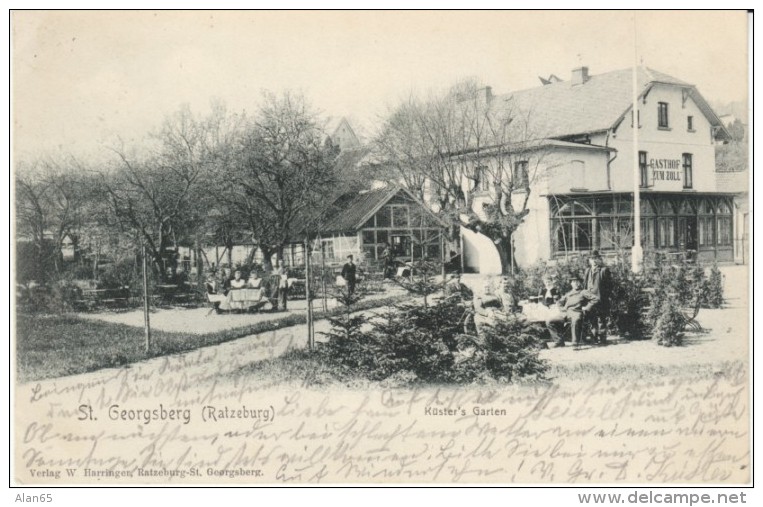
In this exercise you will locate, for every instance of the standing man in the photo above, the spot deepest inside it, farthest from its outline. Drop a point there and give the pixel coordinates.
(388, 260)
(598, 281)
(348, 273)
(283, 285)
(575, 305)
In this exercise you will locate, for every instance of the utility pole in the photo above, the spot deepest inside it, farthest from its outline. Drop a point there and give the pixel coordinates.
(310, 335)
(323, 275)
(146, 321)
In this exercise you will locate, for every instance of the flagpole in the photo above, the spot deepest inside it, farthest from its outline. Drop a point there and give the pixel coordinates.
(637, 253)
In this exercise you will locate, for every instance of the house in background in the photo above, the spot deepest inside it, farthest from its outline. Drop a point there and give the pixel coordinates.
(360, 224)
(341, 134)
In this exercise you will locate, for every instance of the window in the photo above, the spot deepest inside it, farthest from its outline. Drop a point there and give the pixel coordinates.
(401, 245)
(481, 176)
(578, 174)
(521, 178)
(724, 231)
(368, 237)
(643, 169)
(687, 164)
(383, 217)
(666, 232)
(573, 227)
(706, 231)
(690, 123)
(638, 115)
(648, 237)
(400, 216)
(662, 115)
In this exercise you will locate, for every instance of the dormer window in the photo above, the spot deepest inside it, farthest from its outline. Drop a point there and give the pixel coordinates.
(662, 115)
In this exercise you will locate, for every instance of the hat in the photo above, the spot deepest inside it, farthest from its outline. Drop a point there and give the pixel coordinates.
(595, 254)
(574, 277)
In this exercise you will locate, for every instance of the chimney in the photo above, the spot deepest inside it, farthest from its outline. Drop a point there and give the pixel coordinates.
(579, 75)
(488, 94)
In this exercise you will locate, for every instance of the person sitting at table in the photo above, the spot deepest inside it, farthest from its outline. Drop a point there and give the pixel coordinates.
(508, 299)
(491, 306)
(225, 280)
(575, 304)
(212, 285)
(549, 294)
(237, 282)
(254, 281)
(212, 293)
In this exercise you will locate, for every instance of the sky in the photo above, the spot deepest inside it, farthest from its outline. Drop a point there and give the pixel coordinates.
(80, 79)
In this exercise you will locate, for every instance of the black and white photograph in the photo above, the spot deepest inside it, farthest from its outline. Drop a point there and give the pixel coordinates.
(260, 248)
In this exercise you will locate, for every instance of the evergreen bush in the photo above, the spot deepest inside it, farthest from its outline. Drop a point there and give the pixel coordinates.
(414, 343)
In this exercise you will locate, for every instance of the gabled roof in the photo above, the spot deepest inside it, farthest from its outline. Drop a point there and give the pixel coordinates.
(562, 109)
(334, 123)
(350, 212)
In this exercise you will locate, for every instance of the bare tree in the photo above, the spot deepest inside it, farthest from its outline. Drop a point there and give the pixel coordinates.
(161, 196)
(283, 173)
(50, 199)
(478, 156)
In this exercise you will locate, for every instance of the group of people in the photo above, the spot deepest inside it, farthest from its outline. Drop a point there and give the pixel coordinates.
(220, 292)
(585, 305)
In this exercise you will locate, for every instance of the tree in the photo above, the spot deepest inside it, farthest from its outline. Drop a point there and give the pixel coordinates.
(283, 173)
(732, 156)
(160, 196)
(50, 198)
(474, 158)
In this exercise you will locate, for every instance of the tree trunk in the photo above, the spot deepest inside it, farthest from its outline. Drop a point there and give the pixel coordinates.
(505, 253)
(267, 253)
(250, 256)
(230, 256)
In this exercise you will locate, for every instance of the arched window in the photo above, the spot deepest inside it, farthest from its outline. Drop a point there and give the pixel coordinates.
(573, 227)
(706, 223)
(724, 223)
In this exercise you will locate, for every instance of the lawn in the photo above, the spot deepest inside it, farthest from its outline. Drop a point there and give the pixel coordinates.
(49, 346)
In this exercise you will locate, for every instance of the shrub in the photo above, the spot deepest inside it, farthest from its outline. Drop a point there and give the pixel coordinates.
(54, 298)
(511, 350)
(669, 323)
(627, 302)
(713, 295)
(409, 344)
(423, 281)
(121, 273)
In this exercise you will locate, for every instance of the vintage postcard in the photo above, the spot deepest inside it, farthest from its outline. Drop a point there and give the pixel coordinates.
(381, 247)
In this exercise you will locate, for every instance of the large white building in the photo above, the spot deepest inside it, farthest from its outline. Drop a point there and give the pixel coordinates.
(582, 169)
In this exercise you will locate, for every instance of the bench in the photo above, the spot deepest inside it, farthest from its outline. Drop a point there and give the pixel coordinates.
(92, 298)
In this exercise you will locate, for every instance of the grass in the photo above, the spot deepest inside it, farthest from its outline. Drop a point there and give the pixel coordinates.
(50, 346)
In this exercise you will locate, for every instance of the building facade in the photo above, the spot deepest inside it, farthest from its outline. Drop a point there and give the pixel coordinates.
(581, 192)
